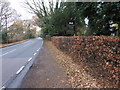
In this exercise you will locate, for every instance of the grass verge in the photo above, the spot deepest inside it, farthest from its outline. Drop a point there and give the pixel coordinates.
(9, 44)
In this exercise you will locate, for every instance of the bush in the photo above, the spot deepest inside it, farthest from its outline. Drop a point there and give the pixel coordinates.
(3, 37)
(100, 54)
(31, 36)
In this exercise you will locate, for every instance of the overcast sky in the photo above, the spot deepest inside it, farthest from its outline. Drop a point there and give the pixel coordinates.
(18, 6)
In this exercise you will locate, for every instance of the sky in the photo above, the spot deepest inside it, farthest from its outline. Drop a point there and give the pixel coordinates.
(18, 6)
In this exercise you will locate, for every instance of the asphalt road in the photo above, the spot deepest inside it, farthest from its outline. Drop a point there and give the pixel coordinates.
(16, 56)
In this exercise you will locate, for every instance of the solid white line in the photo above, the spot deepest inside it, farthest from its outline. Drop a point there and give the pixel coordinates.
(38, 50)
(20, 70)
(8, 52)
(30, 59)
(35, 54)
(27, 44)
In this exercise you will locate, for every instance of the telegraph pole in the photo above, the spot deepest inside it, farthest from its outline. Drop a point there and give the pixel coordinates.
(6, 28)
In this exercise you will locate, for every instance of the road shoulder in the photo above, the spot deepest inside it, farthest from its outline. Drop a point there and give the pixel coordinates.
(46, 72)
(10, 44)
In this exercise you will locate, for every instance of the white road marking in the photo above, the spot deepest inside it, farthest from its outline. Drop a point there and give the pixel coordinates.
(38, 50)
(30, 59)
(3, 87)
(35, 54)
(27, 44)
(20, 70)
(8, 52)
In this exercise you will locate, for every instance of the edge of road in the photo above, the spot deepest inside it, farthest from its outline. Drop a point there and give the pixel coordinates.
(16, 79)
(14, 43)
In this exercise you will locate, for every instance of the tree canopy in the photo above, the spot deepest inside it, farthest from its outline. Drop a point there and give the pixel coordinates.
(68, 18)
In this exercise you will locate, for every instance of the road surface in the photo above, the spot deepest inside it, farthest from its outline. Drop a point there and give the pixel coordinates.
(15, 57)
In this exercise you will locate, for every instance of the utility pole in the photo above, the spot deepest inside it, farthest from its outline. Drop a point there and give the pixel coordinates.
(28, 33)
(6, 28)
(0, 22)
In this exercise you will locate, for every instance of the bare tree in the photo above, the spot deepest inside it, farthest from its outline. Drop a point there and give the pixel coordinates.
(7, 17)
(5, 13)
(37, 6)
(41, 8)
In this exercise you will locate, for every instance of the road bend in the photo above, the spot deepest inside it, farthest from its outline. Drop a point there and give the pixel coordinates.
(14, 57)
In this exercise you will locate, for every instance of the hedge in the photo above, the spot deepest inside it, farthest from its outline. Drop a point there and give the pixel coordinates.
(100, 54)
